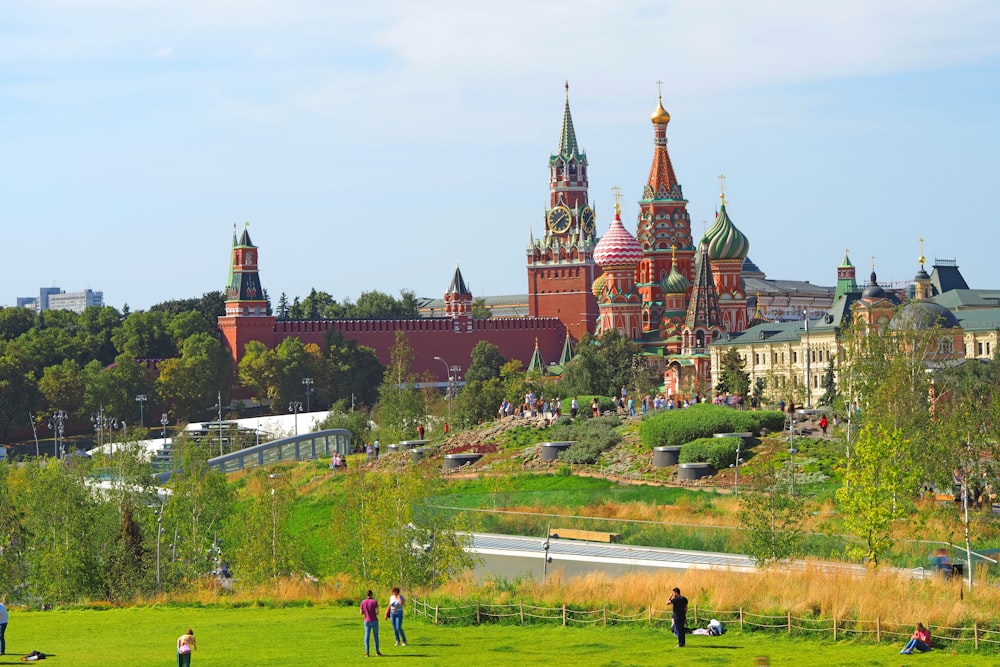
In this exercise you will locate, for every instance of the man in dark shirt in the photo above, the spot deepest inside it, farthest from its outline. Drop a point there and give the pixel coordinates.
(680, 605)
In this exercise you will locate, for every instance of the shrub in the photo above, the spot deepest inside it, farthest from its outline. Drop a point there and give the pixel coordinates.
(593, 437)
(676, 427)
(719, 452)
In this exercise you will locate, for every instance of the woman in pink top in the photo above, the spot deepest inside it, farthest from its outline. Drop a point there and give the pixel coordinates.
(921, 640)
(369, 611)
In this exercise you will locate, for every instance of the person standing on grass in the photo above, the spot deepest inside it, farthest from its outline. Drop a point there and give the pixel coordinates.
(921, 640)
(680, 606)
(3, 628)
(185, 644)
(369, 611)
(395, 614)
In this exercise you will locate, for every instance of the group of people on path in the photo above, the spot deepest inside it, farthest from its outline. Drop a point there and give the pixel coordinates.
(393, 612)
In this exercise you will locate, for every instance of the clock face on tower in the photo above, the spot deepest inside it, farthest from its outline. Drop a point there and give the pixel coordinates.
(587, 221)
(559, 219)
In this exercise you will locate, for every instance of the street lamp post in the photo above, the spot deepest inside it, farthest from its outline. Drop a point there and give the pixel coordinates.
(164, 420)
(448, 389)
(308, 384)
(736, 469)
(159, 532)
(141, 400)
(295, 407)
(58, 426)
(805, 314)
(791, 456)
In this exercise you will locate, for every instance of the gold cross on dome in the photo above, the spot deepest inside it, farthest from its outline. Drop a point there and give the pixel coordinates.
(618, 199)
(659, 88)
(722, 188)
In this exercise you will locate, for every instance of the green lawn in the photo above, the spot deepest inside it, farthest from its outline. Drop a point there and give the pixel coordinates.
(145, 637)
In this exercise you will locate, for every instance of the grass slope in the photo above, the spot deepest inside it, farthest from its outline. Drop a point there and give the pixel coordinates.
(140, 637)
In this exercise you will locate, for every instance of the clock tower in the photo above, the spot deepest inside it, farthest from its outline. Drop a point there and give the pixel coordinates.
(561, 265)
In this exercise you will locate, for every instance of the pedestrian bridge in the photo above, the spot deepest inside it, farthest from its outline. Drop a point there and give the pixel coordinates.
(295, 448)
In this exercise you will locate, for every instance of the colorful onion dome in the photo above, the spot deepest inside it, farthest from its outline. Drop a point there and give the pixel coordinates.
(660, 116)
(675, 282)
(725, 241)
(598, 287)
(617, 247)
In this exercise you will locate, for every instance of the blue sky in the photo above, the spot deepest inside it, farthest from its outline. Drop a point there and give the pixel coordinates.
(374, 145)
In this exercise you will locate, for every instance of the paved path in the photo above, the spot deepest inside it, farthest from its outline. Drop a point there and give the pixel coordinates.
(489, 544)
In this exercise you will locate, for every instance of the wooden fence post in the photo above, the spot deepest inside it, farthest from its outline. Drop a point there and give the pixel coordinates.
(650, 614)
(696, 613)
(741, 619)
(520, 606)
(835, 628)
(975, 634)
(789, 622)
(478, 621)
(878, 630)
(605, 610)
(564, 615)
(436, 614)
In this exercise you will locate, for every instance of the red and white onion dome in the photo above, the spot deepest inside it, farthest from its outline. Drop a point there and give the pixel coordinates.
(617, 247)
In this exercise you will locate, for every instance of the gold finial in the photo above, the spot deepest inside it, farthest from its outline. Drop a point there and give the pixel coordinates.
(847, 251)
(722, 188)
(673, 253)
(660, 115)
(567, 90)
(618, 200)
(873, 263)
(922, 259)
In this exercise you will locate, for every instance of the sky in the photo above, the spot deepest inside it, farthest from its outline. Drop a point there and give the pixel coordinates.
(374, 145)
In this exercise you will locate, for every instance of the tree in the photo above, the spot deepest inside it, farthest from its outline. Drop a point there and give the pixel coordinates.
(486, 362)
(732, 376)
(15, 322)
(829, 385)
(282, 307)
(770, 515)
(353, 371)
(144, 335)
(62, 387)
(604, 364)
(401, 405)
(264, 547)
(881, 480)
(480, 311)
(194, 379)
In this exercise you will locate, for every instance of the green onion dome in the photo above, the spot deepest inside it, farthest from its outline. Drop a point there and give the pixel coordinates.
(675, 282)
(724, 240)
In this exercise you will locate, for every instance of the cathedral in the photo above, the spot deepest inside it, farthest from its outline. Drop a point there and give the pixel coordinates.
(668, 294)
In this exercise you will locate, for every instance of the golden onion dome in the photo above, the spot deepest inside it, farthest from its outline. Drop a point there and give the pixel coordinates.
(660, 116)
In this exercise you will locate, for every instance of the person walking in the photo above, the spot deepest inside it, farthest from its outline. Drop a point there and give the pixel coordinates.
(680, 606)
(369, 611)
(395, 614)
(3, 628)
(185, 645)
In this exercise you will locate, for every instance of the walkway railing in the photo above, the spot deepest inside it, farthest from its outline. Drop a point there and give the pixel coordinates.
(295, 448)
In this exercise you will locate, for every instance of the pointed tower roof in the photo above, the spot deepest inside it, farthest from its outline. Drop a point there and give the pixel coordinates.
(662, 183)
(725, 241)
(245, 241)
(567, 138)
(458, 283)
(536, 364)
(617, 247)
(846, 282)
(567, 352)
(703, 309)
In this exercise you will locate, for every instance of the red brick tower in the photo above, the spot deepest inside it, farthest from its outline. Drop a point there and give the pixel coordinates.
(246, 317)
(561, 265)
(663, 223)
(458, 302)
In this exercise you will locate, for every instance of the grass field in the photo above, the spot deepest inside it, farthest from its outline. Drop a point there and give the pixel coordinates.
(145, 637)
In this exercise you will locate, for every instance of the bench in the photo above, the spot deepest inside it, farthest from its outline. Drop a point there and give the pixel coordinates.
(586, 535)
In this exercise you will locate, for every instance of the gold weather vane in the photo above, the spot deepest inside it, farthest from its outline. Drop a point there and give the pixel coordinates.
(722, 188)
(922, 259)
(618, 199)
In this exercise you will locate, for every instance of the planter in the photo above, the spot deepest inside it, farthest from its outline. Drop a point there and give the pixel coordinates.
(746, 436)
(692, 471)
(418, 453)
(550, 450)
(410, 444)
(664, 457)
(456, 461)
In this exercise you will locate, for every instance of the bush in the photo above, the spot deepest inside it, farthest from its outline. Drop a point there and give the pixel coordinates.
(593, 437)
(676, 427)
(719, 452)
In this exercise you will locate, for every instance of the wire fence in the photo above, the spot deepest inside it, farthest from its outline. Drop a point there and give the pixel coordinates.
(878, 630)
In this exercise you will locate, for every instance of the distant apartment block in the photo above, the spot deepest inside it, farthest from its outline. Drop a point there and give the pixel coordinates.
(54, 298)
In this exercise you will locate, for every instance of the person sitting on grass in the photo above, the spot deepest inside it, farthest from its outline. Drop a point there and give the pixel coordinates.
(921, 640)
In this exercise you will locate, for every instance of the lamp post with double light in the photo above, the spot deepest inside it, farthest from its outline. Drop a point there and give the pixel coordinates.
(308, 384)
(295, 407)
(141, 400)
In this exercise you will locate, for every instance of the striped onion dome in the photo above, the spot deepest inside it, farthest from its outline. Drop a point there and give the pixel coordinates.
(724, 240)
(617, 247)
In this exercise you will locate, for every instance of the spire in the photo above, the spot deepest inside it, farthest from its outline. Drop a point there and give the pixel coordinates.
(458, 283)
(567, 139)
(662, 183)
(537, 364)
(567, 352)
(845, 279)
(703, 309)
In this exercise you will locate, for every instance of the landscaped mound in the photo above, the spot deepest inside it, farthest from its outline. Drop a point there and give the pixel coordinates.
(676, 427)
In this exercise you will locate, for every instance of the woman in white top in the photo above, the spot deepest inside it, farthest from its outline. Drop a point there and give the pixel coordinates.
(394, 612)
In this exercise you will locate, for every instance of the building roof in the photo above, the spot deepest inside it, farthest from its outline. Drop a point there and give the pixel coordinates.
(983, 319)
(964, 299)
(946, 276)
